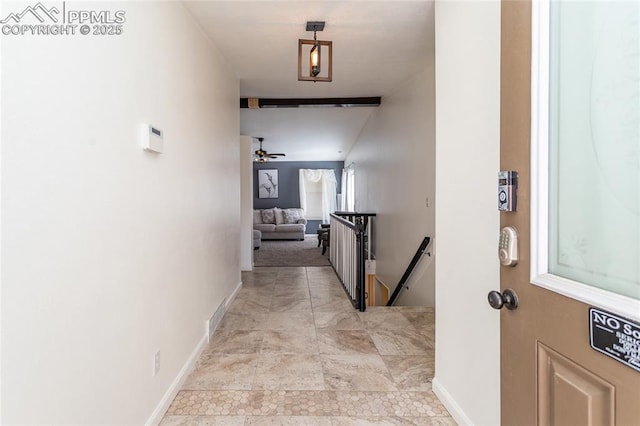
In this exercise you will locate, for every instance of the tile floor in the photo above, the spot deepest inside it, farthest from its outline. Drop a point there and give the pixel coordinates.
(291, 350)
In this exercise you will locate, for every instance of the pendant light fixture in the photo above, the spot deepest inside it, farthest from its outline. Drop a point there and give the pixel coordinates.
(318, 50)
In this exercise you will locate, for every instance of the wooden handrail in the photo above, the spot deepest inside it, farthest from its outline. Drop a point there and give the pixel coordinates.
(344, 221)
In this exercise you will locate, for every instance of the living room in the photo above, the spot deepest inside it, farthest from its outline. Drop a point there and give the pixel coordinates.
(306, 190)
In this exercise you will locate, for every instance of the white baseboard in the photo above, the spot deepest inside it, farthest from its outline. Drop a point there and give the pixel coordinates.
(171, 393)
(231, 298)
(169, 396)
(450, 404)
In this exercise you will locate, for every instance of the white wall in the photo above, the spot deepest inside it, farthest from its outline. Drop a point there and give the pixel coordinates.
(246, 203)
(2, 10)
(467, 222)
(109, 252)
(395, 174)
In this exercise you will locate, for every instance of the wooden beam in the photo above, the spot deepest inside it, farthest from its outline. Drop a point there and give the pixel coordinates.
(314, 102)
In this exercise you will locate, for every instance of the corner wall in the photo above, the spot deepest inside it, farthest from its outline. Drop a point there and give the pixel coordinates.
(246, 203)
(394, 160)
(467, 220)
(110, 253)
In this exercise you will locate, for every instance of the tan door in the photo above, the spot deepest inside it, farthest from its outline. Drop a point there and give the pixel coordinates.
(549, 372)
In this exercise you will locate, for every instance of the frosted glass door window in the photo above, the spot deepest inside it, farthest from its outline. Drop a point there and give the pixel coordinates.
(595, 144)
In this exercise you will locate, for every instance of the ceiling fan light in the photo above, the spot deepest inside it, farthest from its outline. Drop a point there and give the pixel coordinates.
(262, 156)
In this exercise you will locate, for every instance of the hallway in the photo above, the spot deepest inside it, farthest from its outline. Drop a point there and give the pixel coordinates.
(291, 350)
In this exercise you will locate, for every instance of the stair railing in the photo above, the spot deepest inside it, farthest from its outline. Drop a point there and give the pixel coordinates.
(405, 277)
(349, 232)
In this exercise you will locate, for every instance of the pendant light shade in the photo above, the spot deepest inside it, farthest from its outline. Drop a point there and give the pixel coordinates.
(318, 51)
(314, 60)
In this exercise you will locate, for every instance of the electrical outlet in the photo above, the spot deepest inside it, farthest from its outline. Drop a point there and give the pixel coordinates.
(428, 202)
(156, 362)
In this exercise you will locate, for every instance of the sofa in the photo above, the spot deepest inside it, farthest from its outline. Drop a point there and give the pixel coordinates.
(257, 239)
(280, 224)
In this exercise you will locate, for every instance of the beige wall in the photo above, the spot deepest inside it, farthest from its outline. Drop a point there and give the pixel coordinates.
(394, 160)
(467, 162)
(110, 253)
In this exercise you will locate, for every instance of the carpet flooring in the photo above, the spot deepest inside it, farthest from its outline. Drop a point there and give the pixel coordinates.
(291, 253)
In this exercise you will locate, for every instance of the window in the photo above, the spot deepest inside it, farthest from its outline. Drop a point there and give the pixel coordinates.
(348, 200)
(318, 193)
(313, 194)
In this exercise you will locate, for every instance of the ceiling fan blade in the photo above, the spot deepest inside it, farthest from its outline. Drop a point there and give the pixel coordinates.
(262, 155)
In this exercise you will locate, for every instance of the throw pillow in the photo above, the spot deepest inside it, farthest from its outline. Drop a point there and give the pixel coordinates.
(291, 216)
(279, 216)
(268, 216)
(257, 217)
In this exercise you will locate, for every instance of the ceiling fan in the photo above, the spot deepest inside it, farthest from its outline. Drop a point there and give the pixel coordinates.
(263, 156)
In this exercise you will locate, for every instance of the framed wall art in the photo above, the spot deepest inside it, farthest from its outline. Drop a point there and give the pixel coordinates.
(267, 183)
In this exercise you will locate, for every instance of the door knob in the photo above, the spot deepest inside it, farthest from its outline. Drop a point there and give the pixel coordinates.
(507, 299)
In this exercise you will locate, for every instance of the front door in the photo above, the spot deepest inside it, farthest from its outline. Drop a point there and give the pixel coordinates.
(577, 151)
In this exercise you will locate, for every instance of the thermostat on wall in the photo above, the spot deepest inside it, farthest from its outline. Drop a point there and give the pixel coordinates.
(152, 138)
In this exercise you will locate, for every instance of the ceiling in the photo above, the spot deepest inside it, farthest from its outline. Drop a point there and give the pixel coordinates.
(376, 46)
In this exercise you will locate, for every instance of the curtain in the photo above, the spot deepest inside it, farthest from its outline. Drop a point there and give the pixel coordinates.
(348, 187)
(343, 191)
(329, 183)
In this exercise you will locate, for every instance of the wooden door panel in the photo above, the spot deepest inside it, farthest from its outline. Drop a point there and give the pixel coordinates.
(570, 394)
